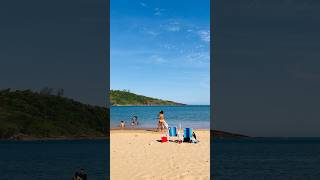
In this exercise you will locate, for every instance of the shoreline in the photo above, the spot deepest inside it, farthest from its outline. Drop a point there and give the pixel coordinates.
(117, 105)
(213, 134)
(149, 129)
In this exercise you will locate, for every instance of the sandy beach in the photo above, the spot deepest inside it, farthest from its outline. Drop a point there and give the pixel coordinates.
(136, 154)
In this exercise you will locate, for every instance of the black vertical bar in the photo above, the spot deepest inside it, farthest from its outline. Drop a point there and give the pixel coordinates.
(107, 151)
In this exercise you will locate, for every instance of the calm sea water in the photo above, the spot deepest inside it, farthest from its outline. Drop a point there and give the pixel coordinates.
(189, 116)
(52, 160)
(249, 159)
(266, 159)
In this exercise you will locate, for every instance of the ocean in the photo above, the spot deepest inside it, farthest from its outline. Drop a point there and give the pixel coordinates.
(266, 159)
(52, 160)
(194, 116)
(247, 159)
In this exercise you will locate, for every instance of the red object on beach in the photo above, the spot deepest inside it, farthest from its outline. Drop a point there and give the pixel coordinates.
(164, 139)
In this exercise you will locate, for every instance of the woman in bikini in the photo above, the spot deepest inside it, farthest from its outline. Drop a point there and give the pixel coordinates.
(162, 122)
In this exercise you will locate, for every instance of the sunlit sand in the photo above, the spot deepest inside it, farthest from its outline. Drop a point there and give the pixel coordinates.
(136, 154)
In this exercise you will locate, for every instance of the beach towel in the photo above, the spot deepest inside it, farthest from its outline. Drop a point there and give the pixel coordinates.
(166, 125)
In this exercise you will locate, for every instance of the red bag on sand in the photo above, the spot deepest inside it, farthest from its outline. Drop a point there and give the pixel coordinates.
(164, 139)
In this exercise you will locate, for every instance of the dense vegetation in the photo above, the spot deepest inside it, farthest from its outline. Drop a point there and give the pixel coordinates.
(43, 115)
(125, 97)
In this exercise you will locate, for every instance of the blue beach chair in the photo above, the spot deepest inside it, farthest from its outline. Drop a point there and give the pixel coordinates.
(173, 132)
(187, 134)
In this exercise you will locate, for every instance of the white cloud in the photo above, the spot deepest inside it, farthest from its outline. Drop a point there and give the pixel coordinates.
(204, 35)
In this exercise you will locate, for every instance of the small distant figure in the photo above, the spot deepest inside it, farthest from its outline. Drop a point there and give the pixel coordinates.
(180, 137)
(194, 138)
(81, 175)
(122, 124)
(134, 121)
(194, 135)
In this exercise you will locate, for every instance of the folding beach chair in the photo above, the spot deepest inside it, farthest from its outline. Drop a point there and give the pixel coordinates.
(187, 134)
(172, 132)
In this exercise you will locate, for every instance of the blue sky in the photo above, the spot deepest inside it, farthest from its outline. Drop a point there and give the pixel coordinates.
(160, 48)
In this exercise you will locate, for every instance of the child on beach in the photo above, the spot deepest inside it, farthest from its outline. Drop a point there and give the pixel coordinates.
(194, 135)
(194, 138)
(134, 120)
(122, 124)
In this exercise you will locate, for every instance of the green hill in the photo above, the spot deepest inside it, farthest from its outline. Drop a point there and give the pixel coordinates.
(124, 97)
(38, 115)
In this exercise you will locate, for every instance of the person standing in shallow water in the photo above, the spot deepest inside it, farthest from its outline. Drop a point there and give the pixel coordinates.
(122, 124)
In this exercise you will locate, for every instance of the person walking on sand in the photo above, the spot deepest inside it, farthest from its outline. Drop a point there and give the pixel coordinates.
(162, 122)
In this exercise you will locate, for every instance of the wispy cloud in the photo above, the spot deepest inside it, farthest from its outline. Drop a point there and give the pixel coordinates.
(132, 52)
(149, 31)
(199, 46)
(156, 59)
(143, 4)
(158, 11)
(190, 30)
(204, 35)
(172, 26)
(152, 33)
(168, 46)
(198, 59)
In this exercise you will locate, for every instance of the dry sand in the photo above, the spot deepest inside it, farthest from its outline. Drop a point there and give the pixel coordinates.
(136, 154)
